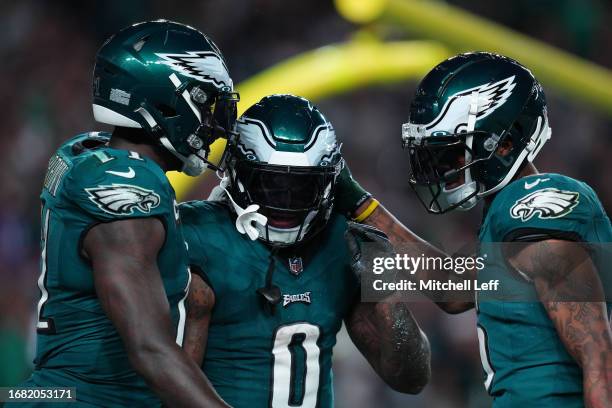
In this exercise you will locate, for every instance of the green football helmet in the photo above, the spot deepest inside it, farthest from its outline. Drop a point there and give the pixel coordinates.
(464, 110)
(284, 167)
(170, 80)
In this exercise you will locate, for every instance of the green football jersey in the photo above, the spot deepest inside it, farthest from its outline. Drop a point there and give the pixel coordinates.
(256, 357)
(525, 361)
(88, 183)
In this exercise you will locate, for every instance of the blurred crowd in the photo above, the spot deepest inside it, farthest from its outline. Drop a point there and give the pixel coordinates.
(47, 51)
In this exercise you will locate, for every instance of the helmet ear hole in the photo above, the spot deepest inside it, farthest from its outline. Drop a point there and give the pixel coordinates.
(504, 148)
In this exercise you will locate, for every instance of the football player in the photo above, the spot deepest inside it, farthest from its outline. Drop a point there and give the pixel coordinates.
(476, 124)
(114, 272)
(272, 280)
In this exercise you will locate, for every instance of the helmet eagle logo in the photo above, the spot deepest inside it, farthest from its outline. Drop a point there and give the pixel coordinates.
(122, 199)
(205, 66)
(546, 203)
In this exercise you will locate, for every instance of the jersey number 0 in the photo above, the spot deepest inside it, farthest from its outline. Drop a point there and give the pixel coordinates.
(295, 376)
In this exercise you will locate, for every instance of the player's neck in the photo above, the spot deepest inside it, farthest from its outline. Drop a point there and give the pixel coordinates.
(528, 170)
(125, 139)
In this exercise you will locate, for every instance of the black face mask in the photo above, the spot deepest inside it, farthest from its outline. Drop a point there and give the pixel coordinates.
(286, 194)
(225, 110)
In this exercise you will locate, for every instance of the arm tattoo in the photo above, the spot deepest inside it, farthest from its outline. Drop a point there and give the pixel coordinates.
(398, 234)
(200, 302)
(570, 290)
(388, 336)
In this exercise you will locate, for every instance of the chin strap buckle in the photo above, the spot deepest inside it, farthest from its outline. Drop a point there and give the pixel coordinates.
(539, 137)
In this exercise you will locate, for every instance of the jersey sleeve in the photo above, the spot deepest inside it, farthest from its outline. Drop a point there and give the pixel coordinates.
(209, 233)
(192, 225)
(556, 209)
(195, 219)
(119, 189)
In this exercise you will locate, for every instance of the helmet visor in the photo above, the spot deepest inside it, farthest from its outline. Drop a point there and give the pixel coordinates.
(285, 193)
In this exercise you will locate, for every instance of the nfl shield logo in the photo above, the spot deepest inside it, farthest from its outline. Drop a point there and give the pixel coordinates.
(295, 265)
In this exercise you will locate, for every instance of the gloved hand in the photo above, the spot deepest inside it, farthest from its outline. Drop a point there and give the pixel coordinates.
(349, 195)
(366, 243)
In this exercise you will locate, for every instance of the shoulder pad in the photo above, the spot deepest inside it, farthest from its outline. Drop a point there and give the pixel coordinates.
(109, 183)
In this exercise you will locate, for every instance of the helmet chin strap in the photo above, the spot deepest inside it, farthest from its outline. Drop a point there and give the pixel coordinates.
(539, 137)
(192, 164)
(247, 218)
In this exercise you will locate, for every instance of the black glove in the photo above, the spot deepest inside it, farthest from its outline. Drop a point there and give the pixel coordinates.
(376, 242)
(349, 195)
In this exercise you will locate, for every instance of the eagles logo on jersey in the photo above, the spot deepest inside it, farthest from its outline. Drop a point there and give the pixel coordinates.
(476, 122)
(122, 199)
(546, 203)
(77, 345)
(273, 347)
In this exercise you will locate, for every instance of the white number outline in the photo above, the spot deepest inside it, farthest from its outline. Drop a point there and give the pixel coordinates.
(485, 359)
(180, 327)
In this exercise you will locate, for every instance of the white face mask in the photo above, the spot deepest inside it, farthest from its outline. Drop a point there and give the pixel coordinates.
(457, 194)
(446, 198)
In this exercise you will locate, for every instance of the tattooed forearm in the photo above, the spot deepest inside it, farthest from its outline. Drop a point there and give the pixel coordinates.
(570, 290)
(586, 335)
(396, 231)
(388, 336)
(407, 242)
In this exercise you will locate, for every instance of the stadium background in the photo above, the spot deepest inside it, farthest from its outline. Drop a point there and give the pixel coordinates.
(47, 51)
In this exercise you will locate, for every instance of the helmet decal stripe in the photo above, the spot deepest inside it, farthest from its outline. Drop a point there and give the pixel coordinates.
(251, 132)
(105, 115)
(316, 132)
(323, 145)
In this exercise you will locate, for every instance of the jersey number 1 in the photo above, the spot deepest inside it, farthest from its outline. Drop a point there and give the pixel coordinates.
(44, 325)
(295, 376)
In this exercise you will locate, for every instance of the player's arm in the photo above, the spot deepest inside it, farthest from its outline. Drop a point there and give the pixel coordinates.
(569, 288)
(405, 241)
(129, 286)
(200, 302)
(386, 333)
(354, 201)
(391, 340)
